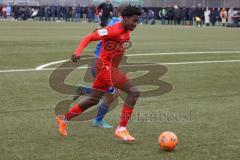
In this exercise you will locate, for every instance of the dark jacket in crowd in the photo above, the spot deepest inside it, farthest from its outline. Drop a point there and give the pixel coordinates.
(106, 9)
(184, 14)
(200, 12)
(191, 13)
(78, 9)
(177, 13)
(170, 13)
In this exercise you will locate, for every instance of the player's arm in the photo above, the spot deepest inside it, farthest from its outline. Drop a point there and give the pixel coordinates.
(84, 43)
(95, 36)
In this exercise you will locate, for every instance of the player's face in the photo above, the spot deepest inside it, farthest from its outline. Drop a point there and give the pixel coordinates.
(130, 23)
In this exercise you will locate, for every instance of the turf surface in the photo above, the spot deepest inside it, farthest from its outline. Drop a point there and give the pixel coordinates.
(205, 97)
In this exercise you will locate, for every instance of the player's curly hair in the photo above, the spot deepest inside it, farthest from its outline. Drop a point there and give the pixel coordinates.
(120, 9)
(130, 11)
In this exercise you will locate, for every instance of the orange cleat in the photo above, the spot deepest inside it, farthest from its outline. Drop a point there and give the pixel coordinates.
(124, 136)
(62, 125)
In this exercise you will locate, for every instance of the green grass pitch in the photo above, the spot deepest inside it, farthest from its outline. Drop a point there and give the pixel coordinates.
(206, 94)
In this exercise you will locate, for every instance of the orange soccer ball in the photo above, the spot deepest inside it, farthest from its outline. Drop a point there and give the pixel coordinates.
(168, 141)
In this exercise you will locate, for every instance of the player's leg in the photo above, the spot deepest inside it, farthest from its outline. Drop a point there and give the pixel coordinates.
(103, 108)
(132, 95)
(104, 21)
(121, 82)
(77, 109)
(101, 84)
(82, 90)
(103, 105)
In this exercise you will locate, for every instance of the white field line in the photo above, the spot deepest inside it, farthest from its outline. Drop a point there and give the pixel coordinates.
(172, 63)
(49, 64)
(149, 54)
(182, 53)
(43, 67)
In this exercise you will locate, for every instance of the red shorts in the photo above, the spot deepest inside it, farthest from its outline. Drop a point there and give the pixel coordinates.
(108, 76)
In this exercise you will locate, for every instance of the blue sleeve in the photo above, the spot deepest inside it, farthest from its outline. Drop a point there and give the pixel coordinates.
(114, 21)
(111, 23)
(98, 49)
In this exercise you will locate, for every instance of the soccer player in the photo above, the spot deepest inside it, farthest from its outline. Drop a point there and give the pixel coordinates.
(107, 72)
(109, 97)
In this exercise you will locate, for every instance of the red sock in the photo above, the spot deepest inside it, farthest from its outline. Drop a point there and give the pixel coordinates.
(73, 112)
(126, 115)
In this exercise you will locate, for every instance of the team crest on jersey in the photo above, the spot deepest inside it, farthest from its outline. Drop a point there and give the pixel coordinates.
(111, 46)
(125, 45)
(102, 32)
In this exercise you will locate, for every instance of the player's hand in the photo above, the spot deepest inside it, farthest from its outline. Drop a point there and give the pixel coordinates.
(75, 58)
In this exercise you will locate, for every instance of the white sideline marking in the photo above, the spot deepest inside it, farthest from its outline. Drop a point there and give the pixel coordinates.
(201, 62)
(49, 64)
(181, 53)
(171, 63)
(149, 54)
(55, 62)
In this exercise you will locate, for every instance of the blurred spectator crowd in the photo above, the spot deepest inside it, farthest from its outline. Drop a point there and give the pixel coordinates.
(49, 13)
(175, 15)
(196, 16)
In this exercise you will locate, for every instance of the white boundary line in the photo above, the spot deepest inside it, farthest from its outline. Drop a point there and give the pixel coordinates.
(149, 54)
(173, 63)
(182, 53)
(49, 64)
(43, 67)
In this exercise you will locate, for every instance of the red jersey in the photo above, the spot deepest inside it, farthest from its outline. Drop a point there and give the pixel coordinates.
(115, 39)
